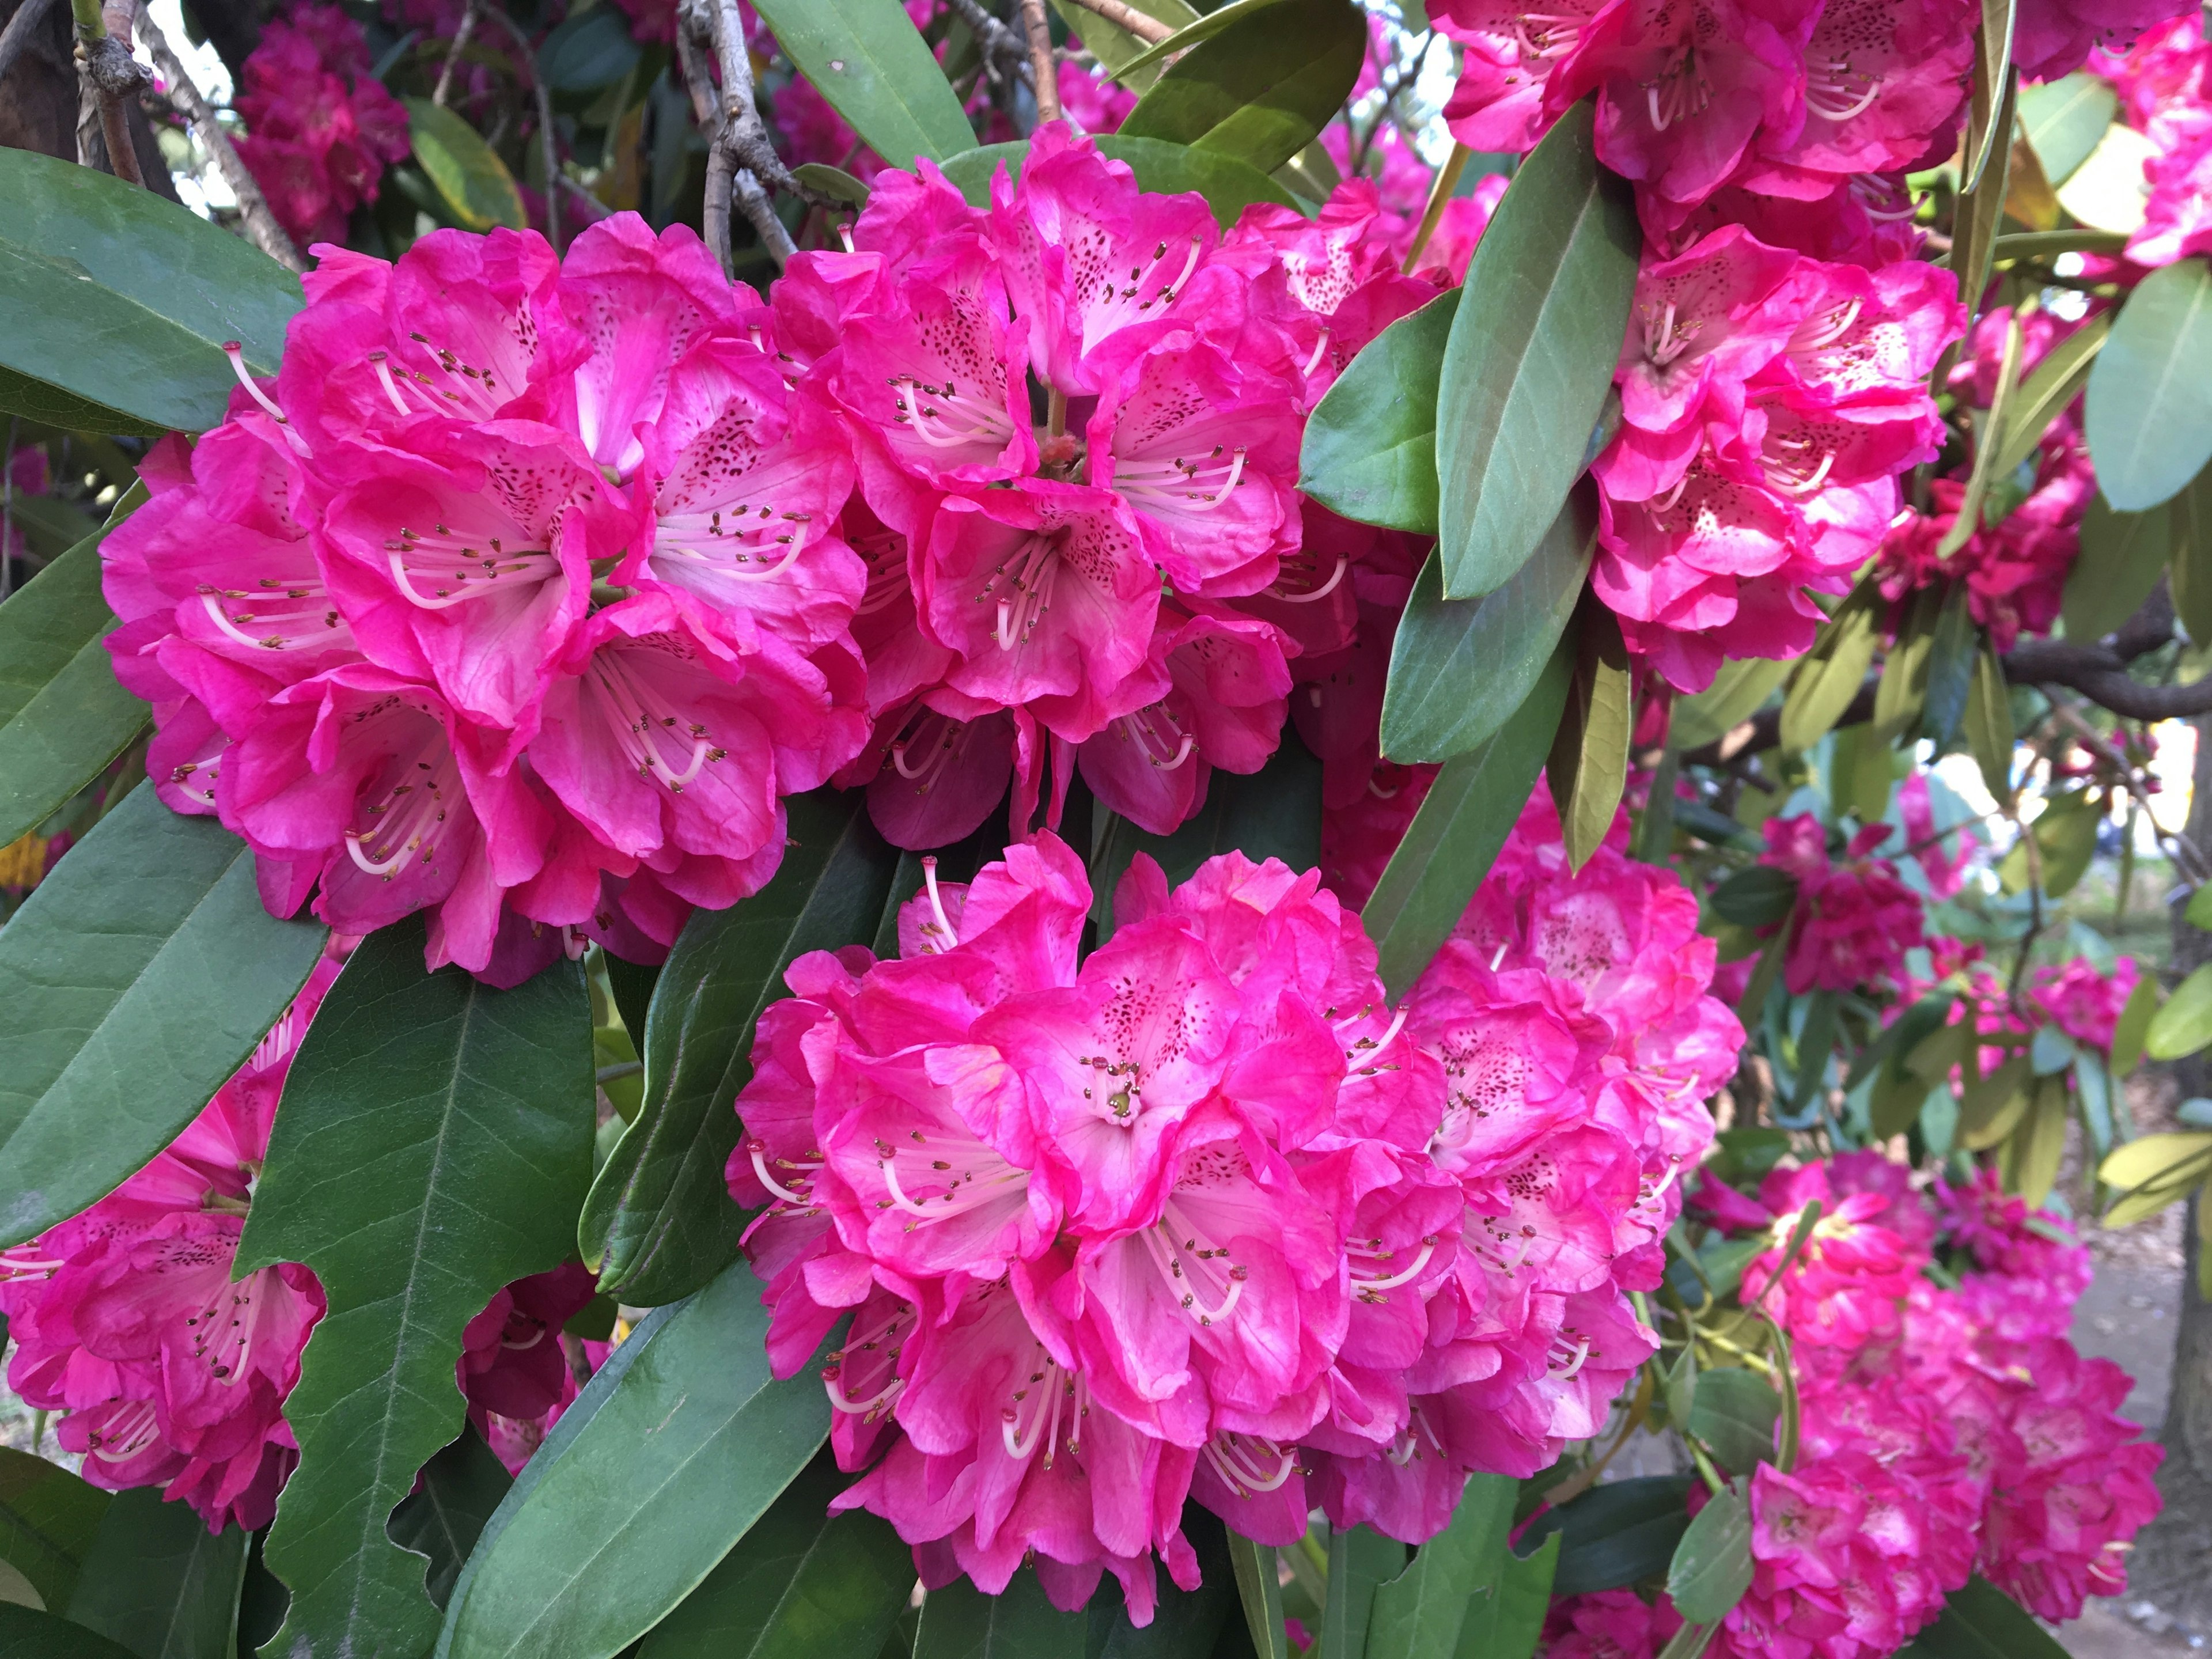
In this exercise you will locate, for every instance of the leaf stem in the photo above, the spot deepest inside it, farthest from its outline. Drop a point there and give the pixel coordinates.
(1440, 192)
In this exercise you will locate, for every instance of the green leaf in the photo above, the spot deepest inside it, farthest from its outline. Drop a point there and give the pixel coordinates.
(1531, 355)
(2153, 1171)
(2065, 119)
(1832, 675)
(158, 1583)
(26, 1633)
(2190, 567)
(1738, 691)
(1418, 1614)
(435, 1141)
(1470, 807)
(1260, 1592)
(960, 1622)
(1191, 32)
(801, 1583)
(2032, 1156)
(1989, 734)
(118, 302)
(867, 59)
(1262, 87)
(1615, 1533)
(444, 1516)
(1228, 185)
(63, 717)
(2185, 1025)
(1757, 898)
(137, 978)
(1993, 69)
(2133, 1026)
(831, 181)
(588, 50)
(1360, 1560)
(2121, 556)
(1588, 767)
(1734, 1414)
(1275, 813)
(1371, 444)
(1980, 1621)
(1951, 652)
(48, 1518)
(1989, 1108)
(1711, 1568)
(1187, 1624)
(1460, 667)
(1980, 212)
(1117, 49)
(2044, 396)
(678, 1456)
(471, 179)
(659, 1222)
(2065, 837)
(2148, 421)
(1505, 1619)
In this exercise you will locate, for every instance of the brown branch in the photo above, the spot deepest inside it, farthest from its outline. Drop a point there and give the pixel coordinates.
(261, 227)
(468, 27)
(1150, 30)
(742, 165)
(1005, 54)
(112, 77)
(1044, 77)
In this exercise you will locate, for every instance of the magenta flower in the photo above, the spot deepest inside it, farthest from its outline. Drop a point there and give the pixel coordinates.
(2053, 37)
(319, 129)
(1855, 919)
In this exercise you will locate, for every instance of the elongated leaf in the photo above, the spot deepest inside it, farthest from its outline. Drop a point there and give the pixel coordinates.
(1260, 1592)
(1589, 764)
(1118, 52)
(1951, 650)
(588, 50)
(1903, 692)
(1193, 31)
(1832, 675)
(866, 58)
(1360, 1560)
(1187, 1624)
(1757, 898)
(118, 302)
(1460, 667)
(1734, 1414)
(471, 179)
(434, 1143)
(1371, 444)
(443, 1516)
(1711, 1568)
(157, 1582)
(2044, 396)
(1531, 355)
(801, 1583)
(2148, 420)
(1228, 185)
(2190, 567)
(961, 1622)
(137, 978)
(1470, 807)
(2032, 1156)
(1993, 69)
(48, 1519)
(1989, 1108)
(2106, 191)
(1418, 1614)
(659, 1222)
(1968, 520)
(1989, 733)
(2065, 119)
(1615, 1533)
(1262, 87)
(1738, 691)
(1980, 1621)
(1505, 1619)
(2133, 1026)
(676, 1460)
(2065, 836)
(63, 717)
(26, 1633)
(2185, 1025)
(2121, 556)
(1981, 207)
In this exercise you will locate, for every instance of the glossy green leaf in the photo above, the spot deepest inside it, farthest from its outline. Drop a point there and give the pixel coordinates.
(2122, 555)
(1228, 185)
(678, 1456)
(1360, 1561)
(659, 1222)
(1191, 31)
(831, 181)
(1757, 898)
(2152, 1172)
(1186, 1623)
(801, 1583)
(63, 717)
(867, 59)
(2045, 394)
(1371, 444)
(1531, 355)
(1738, 691)
(1980, 212)
(1831, 676)
(1504, 1619)
(2185, 1025)
(157, 1582)
(1118, 52)
(1993, 72)
(26, 1633)
(2132, 1029)
(1470, 807)
(1262, 87)
(1615, 1533)
(1980, 1621)
(118, 302)
(50, 526)
(470, 178)
(435, 1141)
(1260, 1596)
(1588, 767)
(960, 1622)
(1989, 734)
(1418, 1614)
(1711, 1568)
(443, 1516)
(1460, 667)
(1275, 813)
(48, 1519)
(2065, 119)
(587, 50)
(137, 978)
(2148, 420)
(1951, 650)
(1734, 1415)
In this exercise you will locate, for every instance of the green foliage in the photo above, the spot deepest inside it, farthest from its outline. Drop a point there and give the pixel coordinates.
(443, 1516)
(2148, 417)
(1505, 1618)
(1262, 87)
(1711, 1566)
(587, 50)
(1420, 1613)
(470, 178)
(960, 1622)
(865, 59)
(1370, 451)
(1733, 1415)
(435, 1145)
(1588, 767)
(2063, 120)
(157, 1582)
(48, 1520)
(1260, 1593)
(2185, 1025)
(26, 1633)
(1616, 1534)
(1230, 186)
(1360, 1561)
(1980, 1621)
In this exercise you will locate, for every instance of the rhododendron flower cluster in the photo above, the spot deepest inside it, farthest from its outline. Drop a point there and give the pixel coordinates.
(1854, 919)
(518, 1370)
(2163, 95)
(319, 128)
(519, 601)
(1200, 1215)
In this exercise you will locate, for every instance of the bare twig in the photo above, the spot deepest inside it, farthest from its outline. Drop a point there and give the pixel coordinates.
(261, 226)
(741, 164)
(1005, 55)
(1150, 30)
(545, 133)
(468, 27)
(107, 71)
(20, 27)
(1044, 77)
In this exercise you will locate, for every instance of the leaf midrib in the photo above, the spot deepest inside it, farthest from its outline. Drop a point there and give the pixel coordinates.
(74, 271)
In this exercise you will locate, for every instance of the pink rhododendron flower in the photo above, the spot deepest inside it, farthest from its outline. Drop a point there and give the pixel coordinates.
(319, 129)
(2084, 1001)
(515, 1368)
(1854, 920)
(1942, 857)
(2052, 37)
(1849, 1278)
(1609, 1625)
